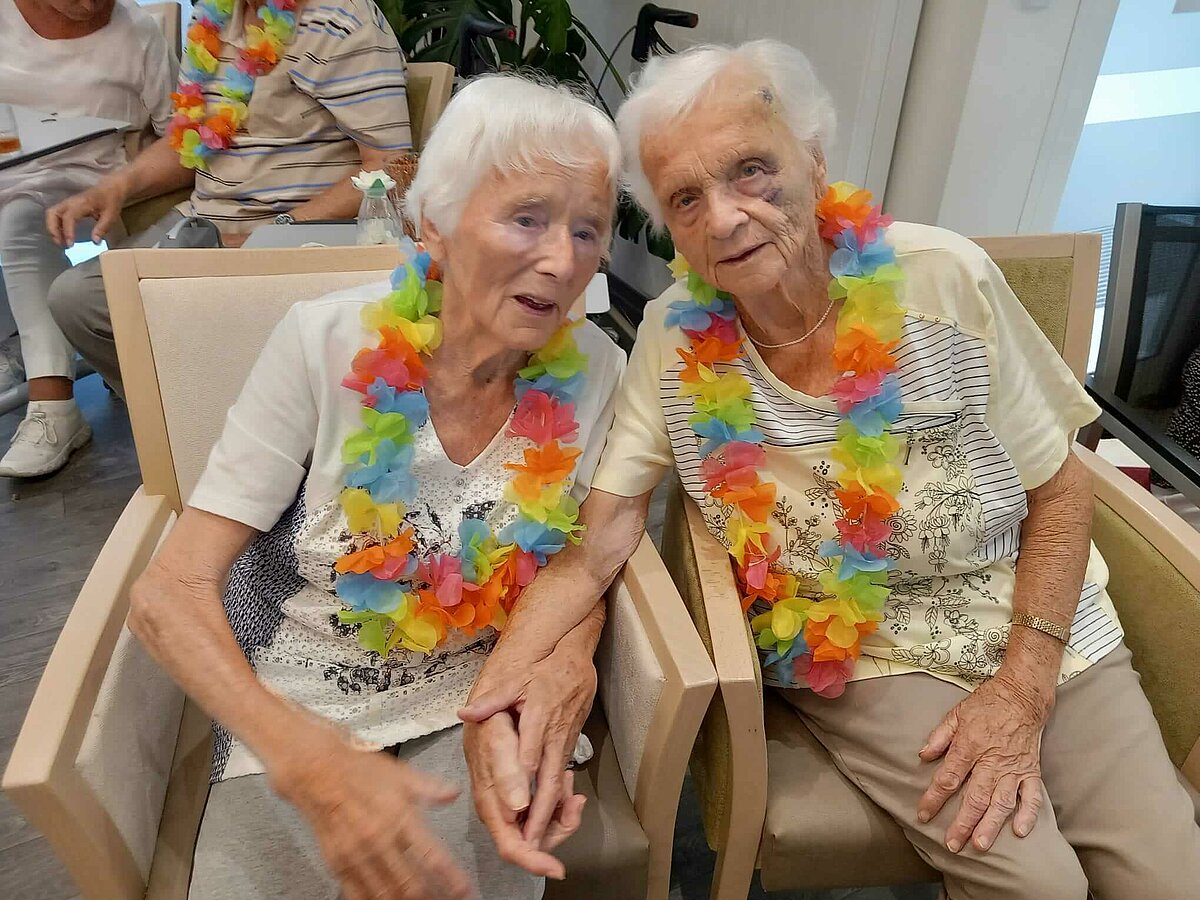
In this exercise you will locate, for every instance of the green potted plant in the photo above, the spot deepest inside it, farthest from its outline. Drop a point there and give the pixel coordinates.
(549, 38)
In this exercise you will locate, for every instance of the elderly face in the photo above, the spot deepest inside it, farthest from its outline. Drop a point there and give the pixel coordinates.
(738, 190)
(525, 248)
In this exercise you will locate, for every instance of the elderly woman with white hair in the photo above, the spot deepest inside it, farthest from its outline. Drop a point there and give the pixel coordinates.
(880, 435)
(402, 460)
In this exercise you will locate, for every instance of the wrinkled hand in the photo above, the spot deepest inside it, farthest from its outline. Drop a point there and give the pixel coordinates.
(500, 786)
(103, 202)
(233, 241)
(991, 743)
(365, 808)
(550, 700)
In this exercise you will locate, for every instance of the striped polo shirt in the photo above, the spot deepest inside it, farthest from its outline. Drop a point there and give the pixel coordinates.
(340, 81)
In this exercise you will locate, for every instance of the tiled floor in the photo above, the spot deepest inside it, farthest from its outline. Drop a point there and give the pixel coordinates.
(50, 533)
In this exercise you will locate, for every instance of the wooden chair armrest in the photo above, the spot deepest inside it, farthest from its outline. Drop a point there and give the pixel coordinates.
(42, 776)
(740, 684)
(1176, 541)
(656, 682)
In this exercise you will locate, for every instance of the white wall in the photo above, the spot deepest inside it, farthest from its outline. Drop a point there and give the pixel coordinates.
(860, 49)
(994, 106)
(1155, 159)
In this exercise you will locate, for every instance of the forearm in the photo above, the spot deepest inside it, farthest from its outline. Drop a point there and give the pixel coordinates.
(1050, 571)
(156, 170)
(341, 201)
(581, 640)
(177, 613)
(566, 591)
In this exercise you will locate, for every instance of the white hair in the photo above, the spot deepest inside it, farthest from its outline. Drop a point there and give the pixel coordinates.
(508, 123)
(669, 86)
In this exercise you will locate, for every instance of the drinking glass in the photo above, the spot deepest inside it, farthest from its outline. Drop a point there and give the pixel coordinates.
(10, 141)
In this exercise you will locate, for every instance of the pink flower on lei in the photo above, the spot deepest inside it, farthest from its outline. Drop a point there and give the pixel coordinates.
(542, 420)
(850, 390)
(828, 679)
(443, 573)
(736, 466)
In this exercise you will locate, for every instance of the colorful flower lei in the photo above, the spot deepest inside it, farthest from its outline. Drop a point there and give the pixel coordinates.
(819, 639)
(195, 131)
(395, 597)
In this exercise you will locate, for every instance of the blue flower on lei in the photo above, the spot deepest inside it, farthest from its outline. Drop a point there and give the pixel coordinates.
(390, 477)
(409, 253)
(565, 390)
(853, 562)
(872, 415)
(850, 259)
(534, 537)
(410, 404)
(473, 535)
(718, 433)
(784, 660)
(689, 315)
(366, 593)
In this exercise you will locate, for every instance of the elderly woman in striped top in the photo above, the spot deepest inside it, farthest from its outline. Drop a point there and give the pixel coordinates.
(402, 460)
(880, 435)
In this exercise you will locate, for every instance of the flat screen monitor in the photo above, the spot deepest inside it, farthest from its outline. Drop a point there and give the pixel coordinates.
(1147, 376)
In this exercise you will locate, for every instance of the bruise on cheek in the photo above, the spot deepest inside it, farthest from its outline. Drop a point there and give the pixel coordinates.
(774, 196)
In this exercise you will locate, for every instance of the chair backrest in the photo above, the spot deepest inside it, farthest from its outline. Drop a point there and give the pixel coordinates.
(1054, 276)
(429, 87)
(189, 325)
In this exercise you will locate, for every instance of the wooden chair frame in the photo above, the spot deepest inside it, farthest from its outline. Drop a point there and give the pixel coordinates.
(733, 651)
(42, 777)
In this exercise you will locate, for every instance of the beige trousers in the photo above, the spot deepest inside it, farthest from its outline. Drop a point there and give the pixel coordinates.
(1119, 822)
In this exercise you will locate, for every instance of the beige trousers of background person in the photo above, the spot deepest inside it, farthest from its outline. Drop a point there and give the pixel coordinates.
(1119, 821)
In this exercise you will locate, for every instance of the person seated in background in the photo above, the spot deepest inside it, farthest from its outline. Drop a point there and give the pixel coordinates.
(257, 140)
(77, 58)
(400, 468)
(880, 435)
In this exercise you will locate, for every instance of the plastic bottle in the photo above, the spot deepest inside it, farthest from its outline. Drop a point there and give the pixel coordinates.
(378, 222)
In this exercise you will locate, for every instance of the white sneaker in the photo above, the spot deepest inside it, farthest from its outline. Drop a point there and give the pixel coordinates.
(12, 364)
(51, 431)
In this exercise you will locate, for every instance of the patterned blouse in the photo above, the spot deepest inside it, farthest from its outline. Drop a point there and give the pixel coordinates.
(277, 467)
(989, 409)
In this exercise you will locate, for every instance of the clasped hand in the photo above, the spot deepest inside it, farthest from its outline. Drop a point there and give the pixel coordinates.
(520, 728)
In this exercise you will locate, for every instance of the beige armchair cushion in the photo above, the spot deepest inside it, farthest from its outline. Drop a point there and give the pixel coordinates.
(130, 740)
(1042, 284)
(631, 683)
(607, 857)
(1160, 612)
(800, 847)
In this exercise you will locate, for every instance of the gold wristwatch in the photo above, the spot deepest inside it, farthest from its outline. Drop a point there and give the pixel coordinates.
(1045, 626)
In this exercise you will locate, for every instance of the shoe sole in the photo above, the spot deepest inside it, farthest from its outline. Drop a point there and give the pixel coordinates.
(80, 439)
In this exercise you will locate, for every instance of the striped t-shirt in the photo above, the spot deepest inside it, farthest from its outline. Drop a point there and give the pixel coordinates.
(989, 410)
(340, 81)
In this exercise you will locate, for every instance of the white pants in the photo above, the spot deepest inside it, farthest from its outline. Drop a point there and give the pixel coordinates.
(31, 261)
